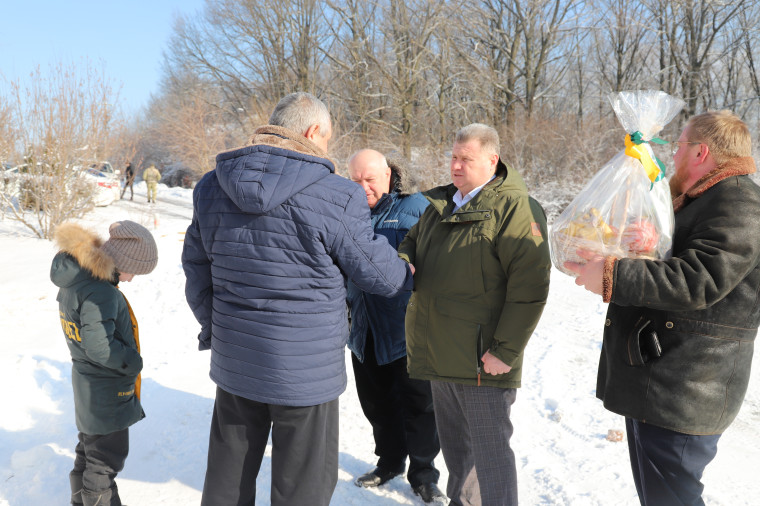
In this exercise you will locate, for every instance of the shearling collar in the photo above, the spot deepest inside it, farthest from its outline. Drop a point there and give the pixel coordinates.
(279, 137)
(735, 167)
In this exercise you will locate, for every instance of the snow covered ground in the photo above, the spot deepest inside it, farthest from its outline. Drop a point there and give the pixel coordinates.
(560, 428)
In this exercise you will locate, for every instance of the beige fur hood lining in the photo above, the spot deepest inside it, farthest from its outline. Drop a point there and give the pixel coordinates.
(84, 245)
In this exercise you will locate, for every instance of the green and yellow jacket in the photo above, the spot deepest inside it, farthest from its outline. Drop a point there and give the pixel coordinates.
(481, 281)
(100, 331)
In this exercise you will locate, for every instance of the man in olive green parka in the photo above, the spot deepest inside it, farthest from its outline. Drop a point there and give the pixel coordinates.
(481, 282)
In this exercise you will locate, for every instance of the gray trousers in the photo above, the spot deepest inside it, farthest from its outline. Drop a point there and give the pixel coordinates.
(475, 429)
(304, 452)
(98, 460)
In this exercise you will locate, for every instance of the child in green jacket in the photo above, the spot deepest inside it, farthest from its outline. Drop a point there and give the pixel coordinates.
(102, 336)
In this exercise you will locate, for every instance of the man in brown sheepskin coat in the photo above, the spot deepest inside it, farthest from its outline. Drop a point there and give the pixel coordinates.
(679, 334)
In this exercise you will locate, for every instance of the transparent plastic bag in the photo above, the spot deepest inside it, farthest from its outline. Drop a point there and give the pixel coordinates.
(625, 210)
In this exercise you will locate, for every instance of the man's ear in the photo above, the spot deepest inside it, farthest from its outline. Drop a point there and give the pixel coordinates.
(312, 132)
(704, 152)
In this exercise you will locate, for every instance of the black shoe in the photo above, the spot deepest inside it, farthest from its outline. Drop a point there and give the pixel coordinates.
(375, 478)
(429, 492)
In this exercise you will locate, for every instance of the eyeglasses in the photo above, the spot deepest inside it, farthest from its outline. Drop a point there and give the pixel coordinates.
(676, 145)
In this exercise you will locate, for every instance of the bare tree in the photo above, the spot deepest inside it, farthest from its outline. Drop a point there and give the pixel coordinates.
(691, 29)
(407, 30)
(496, 41)
(622, 37)
(579, 73)
(401, 75)
(545, 26)
(447, 91)
(748, 30)
(7, 133)
(7, 144)
(255, 50)
(63, 122)
(354, 81)
(127, 138)
(191, 123)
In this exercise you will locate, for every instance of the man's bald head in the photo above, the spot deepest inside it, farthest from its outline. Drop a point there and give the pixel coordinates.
(370, 170)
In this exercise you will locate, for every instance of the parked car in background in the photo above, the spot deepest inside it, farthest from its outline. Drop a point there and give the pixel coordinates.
(107, 169)
(28, 185)
(179, 175)
(107, 186)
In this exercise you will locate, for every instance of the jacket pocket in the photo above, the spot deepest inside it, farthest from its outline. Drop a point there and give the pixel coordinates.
(643, 343)
(702, 377)
(458, 338)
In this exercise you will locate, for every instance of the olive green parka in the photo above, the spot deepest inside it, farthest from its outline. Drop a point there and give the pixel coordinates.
(98, 327)
(481, 281)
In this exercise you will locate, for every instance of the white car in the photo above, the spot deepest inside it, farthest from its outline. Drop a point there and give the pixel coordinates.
(107, 169)
(107, 186)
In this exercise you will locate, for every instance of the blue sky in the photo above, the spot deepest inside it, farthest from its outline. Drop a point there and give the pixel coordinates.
(125, 38)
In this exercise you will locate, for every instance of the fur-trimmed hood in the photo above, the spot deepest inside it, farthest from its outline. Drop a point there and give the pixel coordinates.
(83, 246)
(401, 178)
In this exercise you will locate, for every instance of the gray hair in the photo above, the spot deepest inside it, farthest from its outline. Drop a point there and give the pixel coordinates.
(486, 135)
(298, 111)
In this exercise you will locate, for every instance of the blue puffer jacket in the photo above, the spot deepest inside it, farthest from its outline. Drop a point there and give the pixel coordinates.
(393, 216)
(274, 235)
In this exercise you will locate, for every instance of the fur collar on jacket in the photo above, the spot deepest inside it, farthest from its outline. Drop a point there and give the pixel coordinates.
(84, 245)
(401, 177)
(735, 167)
(280, 137)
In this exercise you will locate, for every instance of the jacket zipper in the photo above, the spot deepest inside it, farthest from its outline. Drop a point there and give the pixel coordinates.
(480, 352)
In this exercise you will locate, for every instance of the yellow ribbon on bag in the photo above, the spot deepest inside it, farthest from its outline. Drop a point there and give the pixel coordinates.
(636, 147)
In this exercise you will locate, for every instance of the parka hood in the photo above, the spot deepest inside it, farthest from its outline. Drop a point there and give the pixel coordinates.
(402, 181)
(80, 255)
(277, 164)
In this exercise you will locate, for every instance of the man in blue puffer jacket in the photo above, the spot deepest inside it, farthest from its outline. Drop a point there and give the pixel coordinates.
(400, 409)
(275, 233)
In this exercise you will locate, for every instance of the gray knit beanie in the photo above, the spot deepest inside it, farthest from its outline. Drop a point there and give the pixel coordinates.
(132, 248)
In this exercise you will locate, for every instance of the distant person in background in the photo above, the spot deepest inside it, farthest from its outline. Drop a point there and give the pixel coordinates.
(152, 176)
(129, 179)
(102, 335)
(400, 409)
